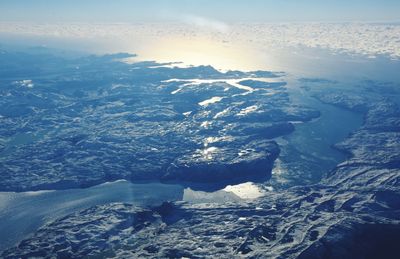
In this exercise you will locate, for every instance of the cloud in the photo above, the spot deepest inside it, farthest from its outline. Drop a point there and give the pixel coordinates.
(360, 38)
(204, 22)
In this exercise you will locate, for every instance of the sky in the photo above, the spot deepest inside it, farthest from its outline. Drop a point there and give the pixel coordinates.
(219, 10)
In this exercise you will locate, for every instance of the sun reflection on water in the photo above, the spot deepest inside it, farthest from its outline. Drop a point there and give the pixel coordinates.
(196, 51)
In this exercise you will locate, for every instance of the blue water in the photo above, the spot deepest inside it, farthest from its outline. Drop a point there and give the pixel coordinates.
(308, 153)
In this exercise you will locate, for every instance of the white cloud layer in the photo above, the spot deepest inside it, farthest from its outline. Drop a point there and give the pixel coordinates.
(358, 38)
(206, 23)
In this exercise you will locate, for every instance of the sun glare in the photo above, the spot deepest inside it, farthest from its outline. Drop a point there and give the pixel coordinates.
(200, 51)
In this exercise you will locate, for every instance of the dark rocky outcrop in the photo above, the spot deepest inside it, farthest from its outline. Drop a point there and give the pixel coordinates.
(211, 166)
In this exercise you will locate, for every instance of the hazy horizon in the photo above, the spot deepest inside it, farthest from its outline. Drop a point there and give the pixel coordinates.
(207, 10)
